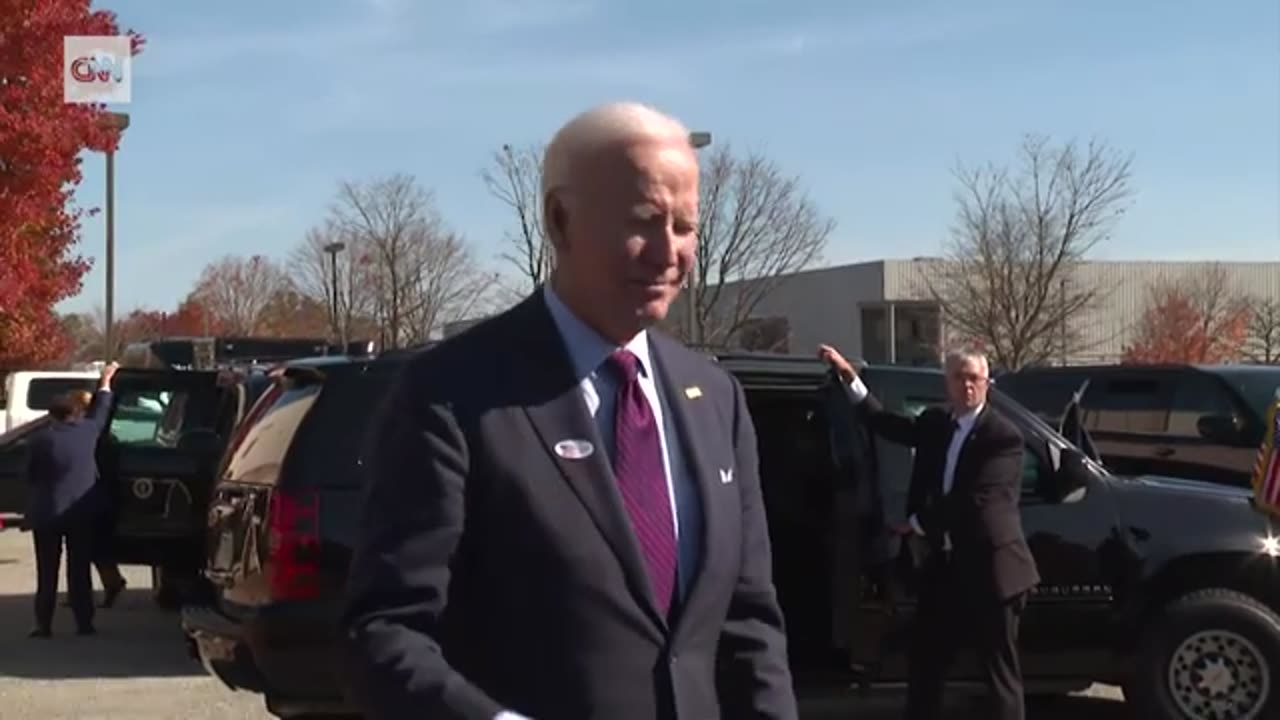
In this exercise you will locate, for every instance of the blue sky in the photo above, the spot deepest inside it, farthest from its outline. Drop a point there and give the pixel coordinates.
(245, 115)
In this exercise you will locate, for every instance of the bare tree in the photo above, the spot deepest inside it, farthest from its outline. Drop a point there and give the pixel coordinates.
(1263, 342)
(1009, 279)
(85, 336)
(312, 269)
(235, 290)
(420, 274)
(756, 225)
(448, 287)
(514, 178)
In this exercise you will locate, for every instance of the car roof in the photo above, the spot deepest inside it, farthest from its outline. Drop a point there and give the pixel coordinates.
(1241, 369)
(1223, 369)
(744, 362)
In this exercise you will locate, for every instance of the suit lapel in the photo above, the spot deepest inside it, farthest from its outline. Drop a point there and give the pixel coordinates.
(682, 392)
(559, 414)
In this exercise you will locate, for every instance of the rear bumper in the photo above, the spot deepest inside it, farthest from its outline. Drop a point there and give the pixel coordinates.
(217, 642)
(292, 663)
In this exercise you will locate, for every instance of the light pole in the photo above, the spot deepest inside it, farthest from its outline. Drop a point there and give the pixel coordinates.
(118, 122)
(698, 140)
(333, 249)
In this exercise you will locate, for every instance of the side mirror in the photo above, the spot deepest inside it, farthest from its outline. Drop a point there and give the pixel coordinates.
(1070, 475)
(1221, 429)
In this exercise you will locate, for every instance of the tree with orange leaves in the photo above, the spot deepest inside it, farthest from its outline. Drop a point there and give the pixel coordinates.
(41, 138)
(1198, 320)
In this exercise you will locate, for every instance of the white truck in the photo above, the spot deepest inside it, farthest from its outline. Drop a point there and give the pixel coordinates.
(29, 393)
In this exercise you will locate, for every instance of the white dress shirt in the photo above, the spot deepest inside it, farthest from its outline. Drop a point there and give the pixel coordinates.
(964, 425)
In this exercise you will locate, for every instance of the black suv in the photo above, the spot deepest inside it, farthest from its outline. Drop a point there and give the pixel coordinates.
(1168, 587)
(174, 405)
(1204, 422)
(159, 453)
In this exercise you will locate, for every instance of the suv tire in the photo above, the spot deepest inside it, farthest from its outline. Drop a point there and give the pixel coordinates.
(165, 592)
(1208, 654)
(171, 588)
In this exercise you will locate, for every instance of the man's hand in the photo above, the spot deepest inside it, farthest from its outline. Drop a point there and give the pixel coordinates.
(832, 357)
(902, 529)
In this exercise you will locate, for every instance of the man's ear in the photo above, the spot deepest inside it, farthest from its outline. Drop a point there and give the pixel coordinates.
(556, 218)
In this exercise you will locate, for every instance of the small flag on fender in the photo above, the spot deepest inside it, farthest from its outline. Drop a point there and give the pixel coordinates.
(1266, 474)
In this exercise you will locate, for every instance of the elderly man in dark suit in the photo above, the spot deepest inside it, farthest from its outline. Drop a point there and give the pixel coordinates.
(65, 503)
(963, 502)
(564, 516)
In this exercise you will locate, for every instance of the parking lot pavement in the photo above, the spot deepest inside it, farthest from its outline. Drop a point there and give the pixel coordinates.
(137, 666)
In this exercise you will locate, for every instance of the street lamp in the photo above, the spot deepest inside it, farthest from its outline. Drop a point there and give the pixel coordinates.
(698, 140)
(116, 121)
(333, 249)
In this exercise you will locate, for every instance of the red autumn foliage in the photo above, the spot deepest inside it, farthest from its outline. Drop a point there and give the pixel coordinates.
(192, 318)
(1177, 327)
(41, 137)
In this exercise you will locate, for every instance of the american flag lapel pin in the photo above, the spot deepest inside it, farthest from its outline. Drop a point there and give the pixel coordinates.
(693, 392)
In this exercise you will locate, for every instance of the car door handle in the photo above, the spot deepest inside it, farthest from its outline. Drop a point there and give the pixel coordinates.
(1164, 452)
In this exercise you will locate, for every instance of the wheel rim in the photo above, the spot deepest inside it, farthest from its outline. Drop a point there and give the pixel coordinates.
(1219, 675)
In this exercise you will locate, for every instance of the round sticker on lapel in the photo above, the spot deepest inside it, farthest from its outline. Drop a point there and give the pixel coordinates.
(574, 449)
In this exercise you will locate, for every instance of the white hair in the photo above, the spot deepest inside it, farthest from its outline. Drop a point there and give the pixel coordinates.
(599, 127)
(956, 357)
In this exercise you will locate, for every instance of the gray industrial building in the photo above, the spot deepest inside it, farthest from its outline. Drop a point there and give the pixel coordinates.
(882, 311)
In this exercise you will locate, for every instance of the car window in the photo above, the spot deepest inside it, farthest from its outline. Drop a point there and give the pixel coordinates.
(1257, 388)
(43, 392)
(1129, 404)
(1196, 396)
(1044, 393)
(138, 415)
(162, 417)
(257, 451)
(1031, 472)
(910, 393)
(331, 442)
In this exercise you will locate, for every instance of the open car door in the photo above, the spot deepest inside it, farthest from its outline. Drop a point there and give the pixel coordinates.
(158, 455)
(1072, 426)
(860, 549)
(14, 453)
(880, 617)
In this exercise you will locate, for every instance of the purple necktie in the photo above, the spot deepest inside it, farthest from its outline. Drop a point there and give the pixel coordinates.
(637, 463)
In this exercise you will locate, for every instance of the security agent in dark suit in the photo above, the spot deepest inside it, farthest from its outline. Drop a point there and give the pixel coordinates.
(564, 517)
(963, 502)
(65, 503)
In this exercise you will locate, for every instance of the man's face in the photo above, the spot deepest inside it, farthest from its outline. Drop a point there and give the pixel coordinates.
(967, 383)
(628, 235)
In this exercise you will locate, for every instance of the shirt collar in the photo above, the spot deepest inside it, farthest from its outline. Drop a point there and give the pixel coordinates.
(587, 349)
(969, 416)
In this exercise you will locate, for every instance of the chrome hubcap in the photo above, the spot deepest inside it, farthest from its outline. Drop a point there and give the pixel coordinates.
(1219, 675)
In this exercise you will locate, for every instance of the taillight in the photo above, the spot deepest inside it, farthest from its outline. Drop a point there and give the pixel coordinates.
(294, 545)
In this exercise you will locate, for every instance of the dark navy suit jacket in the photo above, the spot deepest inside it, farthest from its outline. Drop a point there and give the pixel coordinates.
(493, 572)
(63, 470)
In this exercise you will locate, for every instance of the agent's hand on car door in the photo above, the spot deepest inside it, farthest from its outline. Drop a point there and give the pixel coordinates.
(902, 529)
(832, 357)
